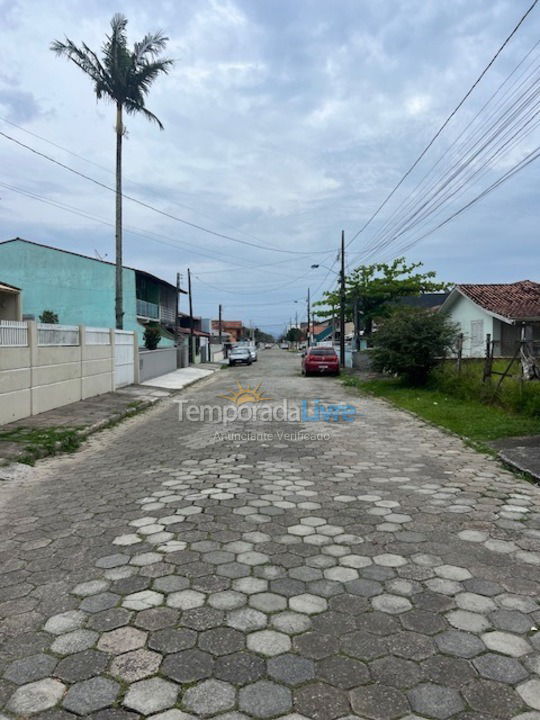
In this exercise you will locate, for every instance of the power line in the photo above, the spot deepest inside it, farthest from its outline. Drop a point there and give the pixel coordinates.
(154, 209)
(104, 168)
(445, 123)
(132, 230)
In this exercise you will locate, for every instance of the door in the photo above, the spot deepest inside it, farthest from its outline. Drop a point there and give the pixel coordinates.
(124, 358)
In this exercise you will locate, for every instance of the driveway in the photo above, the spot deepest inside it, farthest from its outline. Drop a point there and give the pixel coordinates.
(370, 569)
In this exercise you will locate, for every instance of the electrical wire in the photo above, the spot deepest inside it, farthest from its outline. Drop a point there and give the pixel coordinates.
(157, 210)
(444, 125)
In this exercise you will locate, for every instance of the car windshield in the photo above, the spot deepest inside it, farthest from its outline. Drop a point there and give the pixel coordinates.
(240, 350)
(322, 351)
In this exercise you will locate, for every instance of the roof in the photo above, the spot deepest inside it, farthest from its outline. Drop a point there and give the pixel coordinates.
(9, 288)
(88, 257)
(425, 300)
(511, 301)
(228, 323)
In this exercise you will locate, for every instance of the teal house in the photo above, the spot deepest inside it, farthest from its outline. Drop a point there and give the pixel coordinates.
(81, 289)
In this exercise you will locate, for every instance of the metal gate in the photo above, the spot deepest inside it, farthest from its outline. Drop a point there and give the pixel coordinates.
(124, 358)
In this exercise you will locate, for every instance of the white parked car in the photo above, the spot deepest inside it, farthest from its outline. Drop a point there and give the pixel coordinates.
(240, 355)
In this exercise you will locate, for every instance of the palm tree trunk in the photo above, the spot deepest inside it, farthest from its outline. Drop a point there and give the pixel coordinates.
(119, 309)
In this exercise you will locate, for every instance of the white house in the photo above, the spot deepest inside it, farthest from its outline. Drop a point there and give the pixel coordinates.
(500, 310)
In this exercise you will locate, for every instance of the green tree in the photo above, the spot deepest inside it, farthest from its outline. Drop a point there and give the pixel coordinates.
(295, 335)
(263, 337)
(48, 316)
(376, 288)
(411, 342)
(123, 76)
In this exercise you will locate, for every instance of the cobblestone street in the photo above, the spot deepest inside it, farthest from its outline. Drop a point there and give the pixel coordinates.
(387, 572)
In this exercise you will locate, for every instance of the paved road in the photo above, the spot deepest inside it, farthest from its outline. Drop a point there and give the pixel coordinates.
(384, 572)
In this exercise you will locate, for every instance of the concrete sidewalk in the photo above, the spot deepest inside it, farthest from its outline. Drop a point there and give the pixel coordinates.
(522, 453)
(183, 377)
(63, 428)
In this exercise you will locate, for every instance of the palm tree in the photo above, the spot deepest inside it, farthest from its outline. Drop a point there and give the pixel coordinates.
(123, 76)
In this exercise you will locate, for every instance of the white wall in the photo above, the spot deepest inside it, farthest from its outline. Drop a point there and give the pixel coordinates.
(475, 323)
(36, 378)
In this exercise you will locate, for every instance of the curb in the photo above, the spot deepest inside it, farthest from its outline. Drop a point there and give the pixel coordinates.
(514, 465)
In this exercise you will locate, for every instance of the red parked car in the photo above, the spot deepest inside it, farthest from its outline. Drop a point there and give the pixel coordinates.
(320, 361)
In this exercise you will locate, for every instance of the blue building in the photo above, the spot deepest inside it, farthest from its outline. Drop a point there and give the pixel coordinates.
(81, 289)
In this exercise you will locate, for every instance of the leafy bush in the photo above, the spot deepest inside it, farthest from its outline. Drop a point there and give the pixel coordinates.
(411, 342)
(48, 316)
(152, 336)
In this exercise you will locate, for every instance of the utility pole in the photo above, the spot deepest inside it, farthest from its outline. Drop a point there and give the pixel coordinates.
(220, 325)
(308, 319)
(176, 315)
(342, 304)
(190, 318)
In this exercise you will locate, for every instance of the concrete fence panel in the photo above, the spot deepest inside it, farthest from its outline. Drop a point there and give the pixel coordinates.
(46, 366)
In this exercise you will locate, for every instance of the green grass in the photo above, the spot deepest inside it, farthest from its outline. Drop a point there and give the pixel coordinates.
(467, 417)
(41, 442)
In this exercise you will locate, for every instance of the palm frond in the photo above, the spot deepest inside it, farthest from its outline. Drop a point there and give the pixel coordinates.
(125, 76)
(79, 56)
(151, 44)
(132, 108)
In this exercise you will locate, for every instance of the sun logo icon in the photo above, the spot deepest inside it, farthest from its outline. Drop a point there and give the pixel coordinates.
(246, 395)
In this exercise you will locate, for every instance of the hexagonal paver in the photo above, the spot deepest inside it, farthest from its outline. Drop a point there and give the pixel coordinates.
(435, 700)
(342, 672)
(90, 695)
(240, 668)
(379, 702)
(64, 622)
(122, 640)
(29, 669)
(209, 697)
(36, 697)
(74, 641)
(530, 693)
(492, 698)
(151, 696)
(188, 666)
(221, 641)
(391, 604)
(247, 619)
(291, 669)
(308, 604)
(135, 665)
(81, 666)
(268, 642)
(142, 600)
(185, 599)
(506, 643)
(265, 699)
(321, 701)
(499, 667)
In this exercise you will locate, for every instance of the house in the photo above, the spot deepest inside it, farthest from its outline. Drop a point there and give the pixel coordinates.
(201, 336)
(503, 311)
(425, 301)
(81, 289)
(234, 328)
(10, 302)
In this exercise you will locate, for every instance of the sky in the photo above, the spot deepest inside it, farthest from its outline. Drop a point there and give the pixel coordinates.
(285, 121)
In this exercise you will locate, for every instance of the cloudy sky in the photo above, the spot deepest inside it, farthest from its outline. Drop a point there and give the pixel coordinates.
(285, 121)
